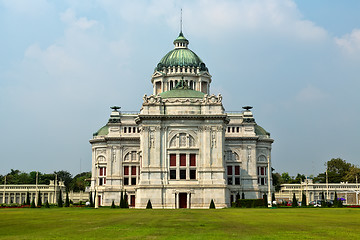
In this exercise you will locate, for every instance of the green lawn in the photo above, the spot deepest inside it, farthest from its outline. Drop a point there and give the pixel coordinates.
(106, 223)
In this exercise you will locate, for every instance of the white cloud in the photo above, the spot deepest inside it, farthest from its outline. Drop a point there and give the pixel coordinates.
(310, 94)
(83, 23)
(31, 8)
(350, 42)
(218, 19)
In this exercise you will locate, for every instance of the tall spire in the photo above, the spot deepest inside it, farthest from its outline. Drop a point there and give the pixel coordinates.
(181, 41)
(181, 23)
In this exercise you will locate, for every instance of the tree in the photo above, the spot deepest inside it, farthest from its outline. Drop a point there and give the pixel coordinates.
(273, 197)
(27, 198)
(67, 200)
(285, 178)
(149, 205)
(47, 204)
(33, 204)
(237, 196)
(276, 181)
(79, 182)
(337, 169)
(66, 177)
(323, 202)
(60, 201)
(113, 204)
(294, 201)
(121, 199)
(212, 204)
(303, 200)
(242, 195)
(39, 203)
(299, 178)
(336, 203)
(45, 178)
(126, 204)
(352, 175)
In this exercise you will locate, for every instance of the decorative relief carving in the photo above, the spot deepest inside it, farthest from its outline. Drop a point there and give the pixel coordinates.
(100, 151)
(114, 129)
(208, 99)
(182, 140)
(213, 139)
(101, 159)
(151, 139)
(152, 99)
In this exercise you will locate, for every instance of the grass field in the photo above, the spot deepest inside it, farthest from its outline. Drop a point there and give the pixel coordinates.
(106, 223)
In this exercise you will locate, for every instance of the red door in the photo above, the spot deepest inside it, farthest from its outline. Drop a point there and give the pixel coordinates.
(132, 200)
(182, 200)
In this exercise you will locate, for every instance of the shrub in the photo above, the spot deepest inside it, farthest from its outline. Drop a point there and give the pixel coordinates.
(47, 204)
(149, 205)
(250, 203)
(113, 204)
(67, 201)
(33, 204)
(28, 198)
(39, 203)
(126, 204)
(121, 200)
(212, 204)
(60, 201)
(294, 201)
(303, 200)
(237, 196)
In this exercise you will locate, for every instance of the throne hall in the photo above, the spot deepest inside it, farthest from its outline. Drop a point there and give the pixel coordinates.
(182, 149)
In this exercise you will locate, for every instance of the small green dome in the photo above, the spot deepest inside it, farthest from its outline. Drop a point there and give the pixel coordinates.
(181, 38)
(182, 93)
(260, 131)
(102, 131)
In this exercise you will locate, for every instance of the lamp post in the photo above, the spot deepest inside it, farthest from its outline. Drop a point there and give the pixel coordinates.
(4, 190)
(327, 186)
(269, 183)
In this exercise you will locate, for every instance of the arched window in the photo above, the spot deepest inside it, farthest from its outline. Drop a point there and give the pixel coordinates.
(182, 140)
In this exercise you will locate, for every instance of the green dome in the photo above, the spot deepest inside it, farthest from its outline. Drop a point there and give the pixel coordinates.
(102, 131)
(181, 56)
(260, 131)
(182, 93)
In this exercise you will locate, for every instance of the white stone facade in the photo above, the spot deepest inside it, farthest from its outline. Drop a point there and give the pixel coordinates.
(180, 150)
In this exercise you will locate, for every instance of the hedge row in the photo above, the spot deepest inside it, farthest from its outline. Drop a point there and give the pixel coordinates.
(250, 203)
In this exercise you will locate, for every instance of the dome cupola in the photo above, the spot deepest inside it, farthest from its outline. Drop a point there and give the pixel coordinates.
(181, 41)
(178, 63)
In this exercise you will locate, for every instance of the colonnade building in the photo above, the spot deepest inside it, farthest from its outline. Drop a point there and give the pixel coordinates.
(11, 193)
(181, 150)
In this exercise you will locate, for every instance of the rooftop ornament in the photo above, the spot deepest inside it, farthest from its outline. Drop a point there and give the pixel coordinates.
(247, 108)
(115, 108)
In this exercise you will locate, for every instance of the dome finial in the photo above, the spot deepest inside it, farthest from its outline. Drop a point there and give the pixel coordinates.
(181, 23)
(181, 41)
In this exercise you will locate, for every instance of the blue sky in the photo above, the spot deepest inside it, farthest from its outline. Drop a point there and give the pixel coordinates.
(64, 63)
